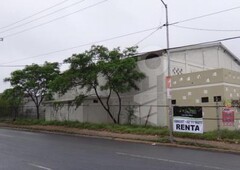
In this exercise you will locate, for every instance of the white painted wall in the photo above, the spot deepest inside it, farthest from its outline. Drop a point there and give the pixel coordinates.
(153, 87)
(87, 112)
(152, 92)
(194, 60)
(183, 61)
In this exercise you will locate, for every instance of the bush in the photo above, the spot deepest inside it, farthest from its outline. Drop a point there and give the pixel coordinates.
(226, 135)
(133, 129)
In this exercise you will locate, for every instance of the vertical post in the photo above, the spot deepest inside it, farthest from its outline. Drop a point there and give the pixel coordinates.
(218, 119)
(169, 101)
(140, 115)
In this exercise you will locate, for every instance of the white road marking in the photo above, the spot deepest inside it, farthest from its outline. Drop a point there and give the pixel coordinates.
(9, 136)
(169, 160)
(39, 166)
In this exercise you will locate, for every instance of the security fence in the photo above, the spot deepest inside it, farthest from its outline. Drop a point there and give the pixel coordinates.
(14, 112)
(194, 119)
(199, 119)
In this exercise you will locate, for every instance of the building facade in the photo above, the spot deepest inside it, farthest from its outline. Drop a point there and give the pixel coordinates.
(150, 102)
(212, 90)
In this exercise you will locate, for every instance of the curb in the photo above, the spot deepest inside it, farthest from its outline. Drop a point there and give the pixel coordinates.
(125, 139)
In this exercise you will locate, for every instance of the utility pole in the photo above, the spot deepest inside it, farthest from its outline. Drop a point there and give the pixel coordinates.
(169, 101)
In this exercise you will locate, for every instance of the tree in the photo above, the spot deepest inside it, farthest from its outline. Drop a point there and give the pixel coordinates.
(34, 81)
(116, 69)
(13, 99)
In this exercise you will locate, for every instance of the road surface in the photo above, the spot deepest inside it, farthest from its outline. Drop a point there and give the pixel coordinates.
(21, 150)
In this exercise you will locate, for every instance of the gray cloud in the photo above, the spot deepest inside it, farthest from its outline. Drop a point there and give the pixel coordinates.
(110, 19)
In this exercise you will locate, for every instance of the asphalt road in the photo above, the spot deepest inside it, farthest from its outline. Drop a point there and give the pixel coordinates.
(20, 150)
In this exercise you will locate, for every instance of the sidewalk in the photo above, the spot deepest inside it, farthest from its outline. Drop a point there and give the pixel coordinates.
(154, 140)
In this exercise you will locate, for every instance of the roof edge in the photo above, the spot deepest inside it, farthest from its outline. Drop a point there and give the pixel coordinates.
(191, 47)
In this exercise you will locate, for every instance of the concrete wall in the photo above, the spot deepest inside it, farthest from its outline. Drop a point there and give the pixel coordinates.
(89, 111)
(183, 60)
(152, 90)
(62, 111)
(188, 90)
(200, 59)
(28, 110)
(151, 99)
(94, 112)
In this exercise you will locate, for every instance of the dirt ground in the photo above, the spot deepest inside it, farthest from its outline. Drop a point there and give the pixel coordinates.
(154, 140)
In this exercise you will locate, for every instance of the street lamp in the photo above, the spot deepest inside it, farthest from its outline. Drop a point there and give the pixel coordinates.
(169, 74)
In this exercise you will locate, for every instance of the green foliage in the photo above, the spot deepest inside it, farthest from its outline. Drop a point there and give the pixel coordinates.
(132, 129)
(229, 135)
(57, 105)
(101, 69)
(225, 135)
(79, 100)
(13, 97)
(10, 101)
(4, 107)
(34, 81)
(130, 114)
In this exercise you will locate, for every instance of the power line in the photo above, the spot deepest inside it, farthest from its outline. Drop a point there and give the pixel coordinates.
(83, 45)
(149, 35)
(203, 16)
(34, 14)
(87, 44)
(12, 65)
(209, 42)
(44, 16)
(64, 16)
(205, 29)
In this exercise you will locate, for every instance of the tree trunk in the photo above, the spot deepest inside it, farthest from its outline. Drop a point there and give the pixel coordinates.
(119, 107)
(105, 108)
(38, 114)
(15, 112)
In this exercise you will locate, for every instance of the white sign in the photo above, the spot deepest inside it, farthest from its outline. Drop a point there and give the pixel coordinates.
(186, 124)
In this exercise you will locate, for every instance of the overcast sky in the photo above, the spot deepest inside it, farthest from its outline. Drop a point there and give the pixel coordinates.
(73, 23)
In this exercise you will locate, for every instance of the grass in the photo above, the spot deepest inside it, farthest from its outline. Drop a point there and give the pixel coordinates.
(222, 135)
(131, 129)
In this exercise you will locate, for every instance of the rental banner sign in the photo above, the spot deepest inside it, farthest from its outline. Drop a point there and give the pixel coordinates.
(187, 125)
(188, 119)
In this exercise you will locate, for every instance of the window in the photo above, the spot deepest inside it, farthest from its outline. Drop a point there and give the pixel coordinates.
(174, 101)
(188, 111)
(217, 98)
(205, 100)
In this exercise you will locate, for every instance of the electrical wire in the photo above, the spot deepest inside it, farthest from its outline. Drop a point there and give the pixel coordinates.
(87, 44)
(34, 14)
(205, 29)
(44, 16)
(209, 42)
(56, 19)
(12, 65)
(155, 29)
(83, 45)
(149, 35)
(203, 16)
